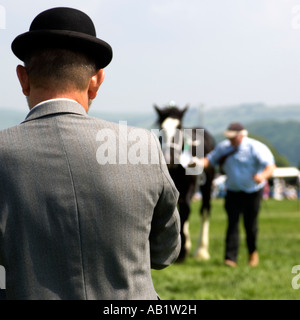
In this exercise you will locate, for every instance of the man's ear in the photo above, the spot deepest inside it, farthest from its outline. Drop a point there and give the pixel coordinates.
(23, 79)
(95, 83)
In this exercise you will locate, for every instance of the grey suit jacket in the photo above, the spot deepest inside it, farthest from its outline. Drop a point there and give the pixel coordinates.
(76, 222)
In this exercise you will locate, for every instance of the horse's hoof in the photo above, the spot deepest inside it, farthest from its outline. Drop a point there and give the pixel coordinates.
(202, 255)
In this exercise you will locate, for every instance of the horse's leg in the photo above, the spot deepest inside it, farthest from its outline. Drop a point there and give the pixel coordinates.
(184, 210)
(186, 190)
(202, 249)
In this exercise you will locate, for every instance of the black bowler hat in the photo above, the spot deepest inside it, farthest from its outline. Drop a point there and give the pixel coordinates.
(63, 28)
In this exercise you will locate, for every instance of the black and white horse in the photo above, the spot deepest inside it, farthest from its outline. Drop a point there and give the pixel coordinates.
(179, 146)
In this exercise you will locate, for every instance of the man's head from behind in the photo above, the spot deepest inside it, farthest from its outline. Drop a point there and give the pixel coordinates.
(61, 54)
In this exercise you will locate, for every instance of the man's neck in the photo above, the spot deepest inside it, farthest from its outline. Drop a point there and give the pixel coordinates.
(37, 97)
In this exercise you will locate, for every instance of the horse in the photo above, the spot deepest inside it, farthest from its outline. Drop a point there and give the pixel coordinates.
(179, 149)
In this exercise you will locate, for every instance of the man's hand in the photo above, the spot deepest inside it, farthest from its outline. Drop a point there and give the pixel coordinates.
(266, 174)
(201, 162)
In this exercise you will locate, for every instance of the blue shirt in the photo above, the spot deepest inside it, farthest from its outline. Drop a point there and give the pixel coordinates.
(251, 158)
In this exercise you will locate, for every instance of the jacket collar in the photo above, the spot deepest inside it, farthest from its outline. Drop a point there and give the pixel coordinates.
(55, 106)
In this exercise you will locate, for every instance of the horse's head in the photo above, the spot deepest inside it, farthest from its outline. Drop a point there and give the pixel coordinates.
(171, 136)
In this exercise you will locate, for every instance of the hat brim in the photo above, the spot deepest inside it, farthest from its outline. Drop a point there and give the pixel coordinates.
(28, 42)
(233, 133)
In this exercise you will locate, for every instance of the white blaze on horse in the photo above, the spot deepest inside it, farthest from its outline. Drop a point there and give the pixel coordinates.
(180, 145)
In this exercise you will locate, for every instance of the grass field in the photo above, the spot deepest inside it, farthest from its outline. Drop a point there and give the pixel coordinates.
(279, 250)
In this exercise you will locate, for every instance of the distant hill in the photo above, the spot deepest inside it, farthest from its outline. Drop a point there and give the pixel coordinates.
(284, 136)
(217, 119)
(279, 125)
(213, 119)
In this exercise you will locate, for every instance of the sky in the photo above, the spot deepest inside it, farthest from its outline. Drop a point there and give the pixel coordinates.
(212, 53)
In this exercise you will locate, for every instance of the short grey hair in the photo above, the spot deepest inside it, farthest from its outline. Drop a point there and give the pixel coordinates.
(60, 69)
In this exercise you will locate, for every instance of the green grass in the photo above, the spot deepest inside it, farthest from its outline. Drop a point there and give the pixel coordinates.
(279, 251)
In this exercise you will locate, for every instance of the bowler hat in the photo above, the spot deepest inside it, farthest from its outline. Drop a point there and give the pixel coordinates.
(66, 28)
(235, 129)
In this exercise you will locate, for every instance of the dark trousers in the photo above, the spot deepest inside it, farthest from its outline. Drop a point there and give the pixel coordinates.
(248, 204)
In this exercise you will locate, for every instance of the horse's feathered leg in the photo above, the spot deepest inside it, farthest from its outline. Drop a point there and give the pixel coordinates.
(201, 251)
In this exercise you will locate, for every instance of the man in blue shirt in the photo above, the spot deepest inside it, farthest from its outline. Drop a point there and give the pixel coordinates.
(247, 164)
